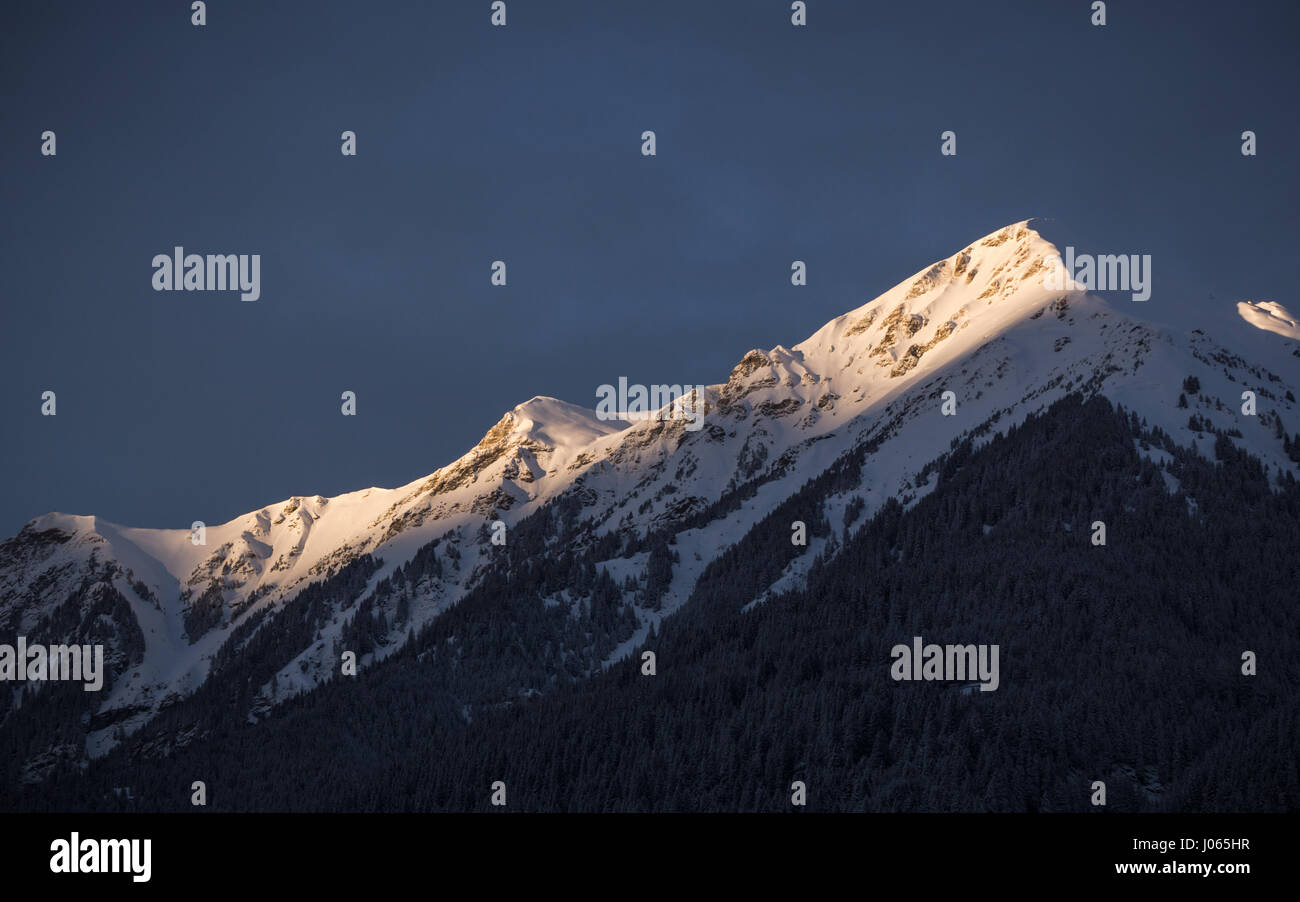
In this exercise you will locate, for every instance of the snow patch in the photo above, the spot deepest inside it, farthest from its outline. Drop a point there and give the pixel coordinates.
(1271, 317)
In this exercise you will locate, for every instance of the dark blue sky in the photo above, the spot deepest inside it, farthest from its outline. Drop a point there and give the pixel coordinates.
(523, 144)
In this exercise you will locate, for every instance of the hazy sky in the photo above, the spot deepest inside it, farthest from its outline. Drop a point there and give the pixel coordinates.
(523, 144)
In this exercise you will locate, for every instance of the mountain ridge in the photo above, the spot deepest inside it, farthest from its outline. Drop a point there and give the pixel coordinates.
(980, 323)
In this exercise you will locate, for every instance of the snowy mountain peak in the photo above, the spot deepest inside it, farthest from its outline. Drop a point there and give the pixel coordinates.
(975, 293)
(939, 314)
(556, 424)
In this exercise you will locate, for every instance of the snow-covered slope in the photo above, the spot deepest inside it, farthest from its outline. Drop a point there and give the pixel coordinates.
(980, 324)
